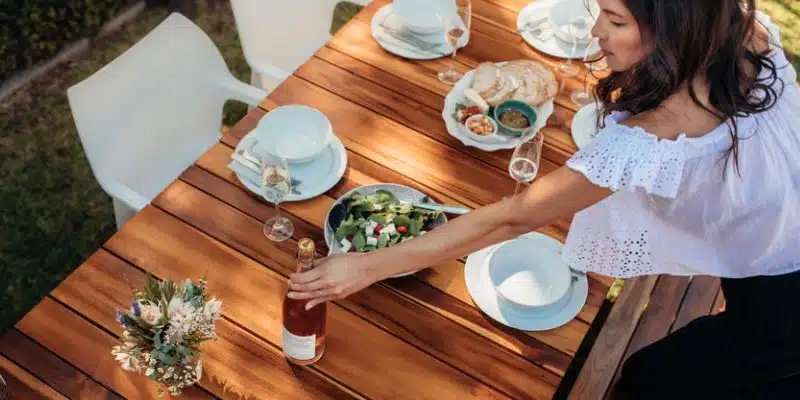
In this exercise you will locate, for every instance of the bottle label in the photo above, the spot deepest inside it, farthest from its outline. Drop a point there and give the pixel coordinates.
(299, 347)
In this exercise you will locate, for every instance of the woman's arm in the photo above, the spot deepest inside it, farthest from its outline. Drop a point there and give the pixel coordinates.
(555, 196)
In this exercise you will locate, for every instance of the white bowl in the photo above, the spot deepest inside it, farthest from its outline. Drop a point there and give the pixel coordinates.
(481, 138)
(422, 16)
(528, 274)
(565, 12)
(297, 132)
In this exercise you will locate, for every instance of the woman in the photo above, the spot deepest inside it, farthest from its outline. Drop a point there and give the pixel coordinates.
(695, 171)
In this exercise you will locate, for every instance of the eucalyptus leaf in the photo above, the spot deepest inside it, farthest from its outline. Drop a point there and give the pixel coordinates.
(157, 339)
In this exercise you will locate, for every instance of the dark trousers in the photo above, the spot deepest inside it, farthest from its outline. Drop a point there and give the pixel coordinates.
(749, 351)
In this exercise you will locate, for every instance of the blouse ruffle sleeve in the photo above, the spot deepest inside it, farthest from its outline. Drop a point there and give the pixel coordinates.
(623, 157)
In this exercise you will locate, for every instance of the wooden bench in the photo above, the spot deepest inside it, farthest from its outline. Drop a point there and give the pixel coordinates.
(647, 309)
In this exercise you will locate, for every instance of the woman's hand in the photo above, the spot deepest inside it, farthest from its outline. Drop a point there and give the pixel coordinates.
(335, 277)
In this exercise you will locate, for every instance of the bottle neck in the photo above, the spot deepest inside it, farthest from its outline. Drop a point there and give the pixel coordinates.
(305, 263)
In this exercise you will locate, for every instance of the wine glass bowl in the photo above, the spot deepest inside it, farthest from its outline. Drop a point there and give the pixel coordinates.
(276, 184)
(524, 164)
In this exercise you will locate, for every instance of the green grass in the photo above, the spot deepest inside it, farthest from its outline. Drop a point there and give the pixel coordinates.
(54, 215)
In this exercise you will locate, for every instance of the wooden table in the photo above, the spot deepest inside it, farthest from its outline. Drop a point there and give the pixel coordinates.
(415, 337)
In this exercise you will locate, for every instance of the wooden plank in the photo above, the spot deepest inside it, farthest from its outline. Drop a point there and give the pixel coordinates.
(658, 316)
(699, 300)
(360, 84)
(88, 348)
(424, 294)
(601, 364)
(150, 240)
(419, 326)
(399, 148)
(448, 277)
(53, 371)
(102, 284)
(350, 40)
(23, 385)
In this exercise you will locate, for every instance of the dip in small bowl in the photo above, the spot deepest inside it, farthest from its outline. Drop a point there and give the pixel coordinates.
(513, 117)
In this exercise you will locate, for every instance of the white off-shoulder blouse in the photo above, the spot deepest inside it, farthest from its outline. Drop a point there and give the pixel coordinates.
(678, 210)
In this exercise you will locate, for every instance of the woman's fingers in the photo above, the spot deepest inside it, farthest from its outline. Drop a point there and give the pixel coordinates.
(307, 287)
(319, 300)
(306, 277)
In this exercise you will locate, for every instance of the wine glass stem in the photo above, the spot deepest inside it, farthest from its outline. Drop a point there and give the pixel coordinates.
(516, 190)
(278, 221)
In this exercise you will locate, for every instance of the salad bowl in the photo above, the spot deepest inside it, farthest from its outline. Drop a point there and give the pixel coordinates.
(372, 217)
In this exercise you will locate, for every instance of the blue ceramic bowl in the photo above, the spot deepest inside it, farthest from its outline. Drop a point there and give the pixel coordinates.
(513, 105)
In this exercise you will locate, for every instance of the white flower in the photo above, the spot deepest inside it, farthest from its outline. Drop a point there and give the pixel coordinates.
(178, 310)
(213, 308)
(151, 314)
(150, 371)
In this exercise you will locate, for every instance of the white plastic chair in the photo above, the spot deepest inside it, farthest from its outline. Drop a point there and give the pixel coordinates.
(280, 35)
(146, 116)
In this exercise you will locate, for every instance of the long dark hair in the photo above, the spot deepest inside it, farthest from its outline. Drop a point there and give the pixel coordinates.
(691, 38)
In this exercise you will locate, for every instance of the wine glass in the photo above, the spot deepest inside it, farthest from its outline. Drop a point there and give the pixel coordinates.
(456, 26)
(524, 163)
(576, 31)
(594, 61)
(276, 184)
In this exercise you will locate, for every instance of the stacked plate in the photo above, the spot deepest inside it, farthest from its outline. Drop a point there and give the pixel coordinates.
(551, 26)
(413, 29)
(524, 284)
(317, 158)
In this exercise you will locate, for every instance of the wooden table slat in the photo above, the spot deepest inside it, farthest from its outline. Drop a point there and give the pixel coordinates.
(609, 348)
(22, 385)
(448, 277)
(700, 298)
(88, 348)
(254, 294)
(428, 331)
(50, 369)
(224, 360)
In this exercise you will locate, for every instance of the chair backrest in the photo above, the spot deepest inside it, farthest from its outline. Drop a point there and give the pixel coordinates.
(282, 33)
(144, 117)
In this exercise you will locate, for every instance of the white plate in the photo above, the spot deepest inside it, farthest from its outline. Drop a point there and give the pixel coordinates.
(553, 45)
(584, 125)
(496, 142)
(486, 299)
(385, 17)
(317, 176)
(403, 193)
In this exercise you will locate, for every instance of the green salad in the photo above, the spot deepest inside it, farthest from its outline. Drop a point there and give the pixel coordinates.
(381, 220)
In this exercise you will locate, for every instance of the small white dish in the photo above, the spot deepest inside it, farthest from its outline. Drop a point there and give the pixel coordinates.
(497, 142)
(394, 36)
(316, 177)
(481, 138)
(299, 133)
(528, 274)
(548, 44)
(571, 20)
(487, 299)
(584, 125)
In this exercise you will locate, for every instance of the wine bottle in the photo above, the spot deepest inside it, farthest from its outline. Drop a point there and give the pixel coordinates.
(304, 330)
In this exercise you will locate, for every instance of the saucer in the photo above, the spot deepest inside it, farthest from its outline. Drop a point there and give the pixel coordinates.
(316, 176)
(584, 125)
(391, 33)
(485, 297)
(551, 44)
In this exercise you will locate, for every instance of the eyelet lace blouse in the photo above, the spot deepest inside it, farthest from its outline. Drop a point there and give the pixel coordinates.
(676, 208)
